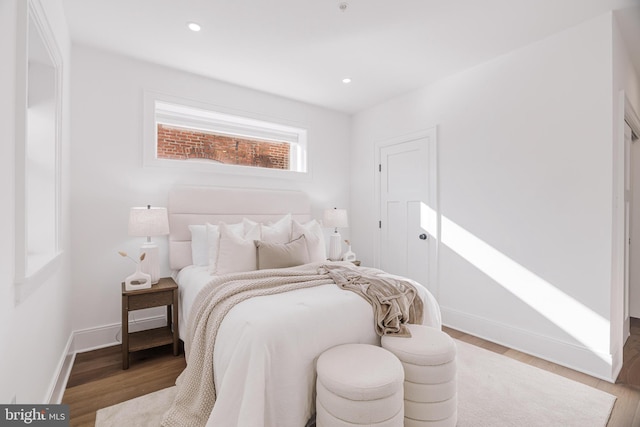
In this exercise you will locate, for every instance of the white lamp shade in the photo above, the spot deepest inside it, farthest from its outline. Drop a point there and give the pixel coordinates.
(147, 222)
(335, 218)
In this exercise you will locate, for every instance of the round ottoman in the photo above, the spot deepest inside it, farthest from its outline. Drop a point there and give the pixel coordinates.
(430, 388)
(359, 384)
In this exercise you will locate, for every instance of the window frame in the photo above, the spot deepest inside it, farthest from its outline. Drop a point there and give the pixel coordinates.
(32, 22)
(200, 116)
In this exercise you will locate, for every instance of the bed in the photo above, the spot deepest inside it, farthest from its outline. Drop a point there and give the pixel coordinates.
(266, 347)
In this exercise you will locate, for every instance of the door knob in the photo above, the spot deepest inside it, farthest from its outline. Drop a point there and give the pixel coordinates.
(422, 236)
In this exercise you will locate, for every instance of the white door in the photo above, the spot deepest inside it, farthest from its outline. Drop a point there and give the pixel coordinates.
(408, 225)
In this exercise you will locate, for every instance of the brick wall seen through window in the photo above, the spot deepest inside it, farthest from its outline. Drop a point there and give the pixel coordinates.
(181, 144)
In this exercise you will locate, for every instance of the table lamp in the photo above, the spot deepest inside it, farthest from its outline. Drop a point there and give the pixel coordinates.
(149, 222)
(335, 218)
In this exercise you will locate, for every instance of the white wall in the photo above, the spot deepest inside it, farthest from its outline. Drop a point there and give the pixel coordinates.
(108, 176)
(35, 333)
(525, 174)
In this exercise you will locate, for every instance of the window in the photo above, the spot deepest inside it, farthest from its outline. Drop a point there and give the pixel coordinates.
(37, 174)
(182, 134)
(182, 143)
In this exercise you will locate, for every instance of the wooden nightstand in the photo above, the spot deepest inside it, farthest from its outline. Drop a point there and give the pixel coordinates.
(165, 292)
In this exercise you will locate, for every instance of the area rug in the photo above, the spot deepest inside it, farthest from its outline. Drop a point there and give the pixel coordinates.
(493, 391)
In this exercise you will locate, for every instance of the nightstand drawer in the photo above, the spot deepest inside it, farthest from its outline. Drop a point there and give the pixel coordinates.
(137, 302)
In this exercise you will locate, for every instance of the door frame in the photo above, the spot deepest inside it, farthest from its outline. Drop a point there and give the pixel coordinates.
(619, 320)
(432, 148)
(631, 117)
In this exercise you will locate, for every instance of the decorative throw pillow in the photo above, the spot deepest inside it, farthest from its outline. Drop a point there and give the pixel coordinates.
(314, 237)
(282, 255)
(236, 253)
(278, 232)
(213, 242)
(199, 245)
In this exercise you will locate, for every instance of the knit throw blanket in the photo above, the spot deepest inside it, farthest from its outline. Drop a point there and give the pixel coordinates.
(196, 392)
(395, 302)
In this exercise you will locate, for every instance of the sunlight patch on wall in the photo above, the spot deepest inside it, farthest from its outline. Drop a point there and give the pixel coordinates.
(428, 219)
(573, 317)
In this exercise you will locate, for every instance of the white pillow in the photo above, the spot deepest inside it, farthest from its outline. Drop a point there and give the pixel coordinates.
(278, 232)
(199, 245)
(236, 253)
(213, 242)
(248, 225)
(314, 237)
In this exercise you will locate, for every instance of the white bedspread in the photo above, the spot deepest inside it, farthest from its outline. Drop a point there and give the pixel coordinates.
(266, 348)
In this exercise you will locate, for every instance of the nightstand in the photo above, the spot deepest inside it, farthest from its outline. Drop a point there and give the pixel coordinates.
(165, 292)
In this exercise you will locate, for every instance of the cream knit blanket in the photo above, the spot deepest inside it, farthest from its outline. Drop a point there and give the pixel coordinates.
(196, 393)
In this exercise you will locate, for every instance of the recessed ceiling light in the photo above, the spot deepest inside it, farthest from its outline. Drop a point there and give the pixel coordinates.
(193, 26)
(346, 80)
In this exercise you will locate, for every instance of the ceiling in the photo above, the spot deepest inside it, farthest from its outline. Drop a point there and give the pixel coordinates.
(302, 49)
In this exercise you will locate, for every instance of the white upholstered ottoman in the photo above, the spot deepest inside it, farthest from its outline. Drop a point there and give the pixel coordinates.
(359, 384)
(430, 388)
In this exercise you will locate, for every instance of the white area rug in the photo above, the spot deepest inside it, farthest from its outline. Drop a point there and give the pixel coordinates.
(493, 391)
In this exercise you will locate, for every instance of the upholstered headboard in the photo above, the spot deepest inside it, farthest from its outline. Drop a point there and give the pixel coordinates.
(199, 205)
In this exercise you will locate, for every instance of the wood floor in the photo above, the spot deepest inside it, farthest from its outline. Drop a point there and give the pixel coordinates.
(97, 379)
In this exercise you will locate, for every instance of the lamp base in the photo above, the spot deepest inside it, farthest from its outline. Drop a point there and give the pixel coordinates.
(151, 262)
(335, 247)
(137, 281)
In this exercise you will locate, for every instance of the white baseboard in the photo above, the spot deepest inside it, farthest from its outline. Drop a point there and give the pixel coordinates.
(570, 355)
(616, 365)
(92, 339)
(108, 335)
(59, 382)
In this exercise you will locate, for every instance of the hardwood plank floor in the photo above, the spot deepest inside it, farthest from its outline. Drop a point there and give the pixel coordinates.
(97, 379)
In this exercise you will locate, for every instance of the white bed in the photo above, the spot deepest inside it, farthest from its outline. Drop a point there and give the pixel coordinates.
(264, 377)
